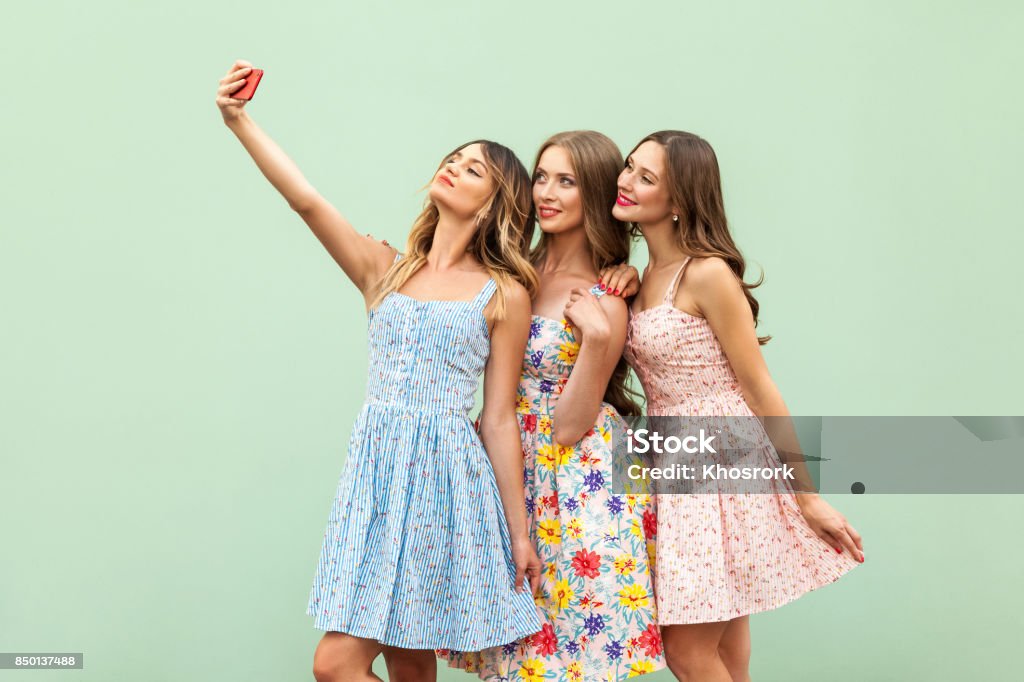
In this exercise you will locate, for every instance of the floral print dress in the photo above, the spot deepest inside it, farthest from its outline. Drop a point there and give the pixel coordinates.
(596, 591)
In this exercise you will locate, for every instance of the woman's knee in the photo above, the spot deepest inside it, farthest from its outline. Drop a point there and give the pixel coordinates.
(340, 657)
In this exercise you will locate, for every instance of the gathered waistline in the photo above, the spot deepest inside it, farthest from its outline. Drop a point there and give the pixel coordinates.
(437, 411)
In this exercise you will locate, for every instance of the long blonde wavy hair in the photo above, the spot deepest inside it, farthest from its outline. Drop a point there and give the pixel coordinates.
(504, 229)
(597, 162)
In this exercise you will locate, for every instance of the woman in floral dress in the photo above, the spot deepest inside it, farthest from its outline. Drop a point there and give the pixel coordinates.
(596, 590)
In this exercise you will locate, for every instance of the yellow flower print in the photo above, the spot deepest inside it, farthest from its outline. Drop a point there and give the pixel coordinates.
(567, 352)
(544, 426)
(625, 564)
(574, 672)
(636, 528)
(574, 529)
(532, 670)
(552, 569)
(523, 404)
(640, 668)
(553, 456)
(563, 594)
(546, 457)
(634, 597)
(550, 532)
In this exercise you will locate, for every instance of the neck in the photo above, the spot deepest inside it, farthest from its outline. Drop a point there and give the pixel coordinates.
(451, 241)
(567, 252)
(662, 245)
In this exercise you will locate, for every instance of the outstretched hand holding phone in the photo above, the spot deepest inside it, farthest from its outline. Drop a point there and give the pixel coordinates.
(363, 259)
(236, 88)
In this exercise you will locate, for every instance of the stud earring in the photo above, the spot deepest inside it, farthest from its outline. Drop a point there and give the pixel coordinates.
(675, 218)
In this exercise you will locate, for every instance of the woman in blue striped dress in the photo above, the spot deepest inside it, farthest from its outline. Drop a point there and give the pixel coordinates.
(426, 546)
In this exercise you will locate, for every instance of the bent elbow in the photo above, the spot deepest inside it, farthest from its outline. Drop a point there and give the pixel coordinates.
(566, 435)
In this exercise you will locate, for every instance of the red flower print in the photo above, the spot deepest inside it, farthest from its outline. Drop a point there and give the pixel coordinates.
(551, 500)
(545, 641)
(650, 523)
(586, 563)
(529, 423)
(650, 640)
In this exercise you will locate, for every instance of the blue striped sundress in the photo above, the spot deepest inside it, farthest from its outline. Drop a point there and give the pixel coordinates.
(417, 552)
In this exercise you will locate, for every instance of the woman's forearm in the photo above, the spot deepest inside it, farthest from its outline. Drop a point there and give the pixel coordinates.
(275, 165)
(766, 402)
(580, 402)
(502, 441)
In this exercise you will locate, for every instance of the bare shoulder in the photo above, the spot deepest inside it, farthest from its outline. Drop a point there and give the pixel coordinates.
(711, 274)
(517, 298)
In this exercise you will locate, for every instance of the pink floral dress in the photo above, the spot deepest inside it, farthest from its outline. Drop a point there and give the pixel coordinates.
(719, 556)
(596, 593)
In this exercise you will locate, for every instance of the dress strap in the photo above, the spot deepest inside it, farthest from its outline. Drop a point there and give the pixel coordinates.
(481, 299)
(676, 279)
(398, 256)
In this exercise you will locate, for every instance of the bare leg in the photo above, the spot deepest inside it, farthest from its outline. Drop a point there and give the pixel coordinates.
(691, 652)
(343, 658)
(734, 649)
(410, 665)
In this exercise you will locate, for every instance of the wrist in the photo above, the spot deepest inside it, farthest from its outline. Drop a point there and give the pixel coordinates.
(521, 539)
(236, 120)
(803, 499)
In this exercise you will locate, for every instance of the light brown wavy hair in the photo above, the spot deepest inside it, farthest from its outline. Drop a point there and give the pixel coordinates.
(501, 242)
(596, 162)
(695, 186)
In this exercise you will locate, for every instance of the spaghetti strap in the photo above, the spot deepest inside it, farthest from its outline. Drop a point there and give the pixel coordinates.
(481, 299)
(670, 295)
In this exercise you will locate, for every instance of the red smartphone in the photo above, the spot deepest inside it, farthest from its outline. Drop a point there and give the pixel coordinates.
(251, 81)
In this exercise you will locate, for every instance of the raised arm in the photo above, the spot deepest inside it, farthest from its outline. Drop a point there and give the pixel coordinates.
(499, 428)
(363, 258)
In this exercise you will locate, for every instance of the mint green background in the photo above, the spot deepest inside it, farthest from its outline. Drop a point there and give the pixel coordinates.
(182, 361)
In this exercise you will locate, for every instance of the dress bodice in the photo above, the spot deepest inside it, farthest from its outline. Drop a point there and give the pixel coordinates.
(427, 356)
(551, 353)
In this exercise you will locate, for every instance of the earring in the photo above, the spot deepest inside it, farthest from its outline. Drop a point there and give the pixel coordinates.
(675, 218)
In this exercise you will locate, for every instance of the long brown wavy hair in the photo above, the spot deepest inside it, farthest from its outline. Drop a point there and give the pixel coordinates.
(504, 229)
(597, 161)
(695, 186)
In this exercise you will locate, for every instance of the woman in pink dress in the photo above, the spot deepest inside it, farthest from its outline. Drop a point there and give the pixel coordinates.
(693, 344)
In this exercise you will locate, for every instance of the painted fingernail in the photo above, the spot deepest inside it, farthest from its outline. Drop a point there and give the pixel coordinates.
(616, 292)
(839, 550)
(602, 287)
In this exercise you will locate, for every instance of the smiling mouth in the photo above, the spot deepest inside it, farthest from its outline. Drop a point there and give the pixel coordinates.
(547, 212)
(623, 201)
(446, 180)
